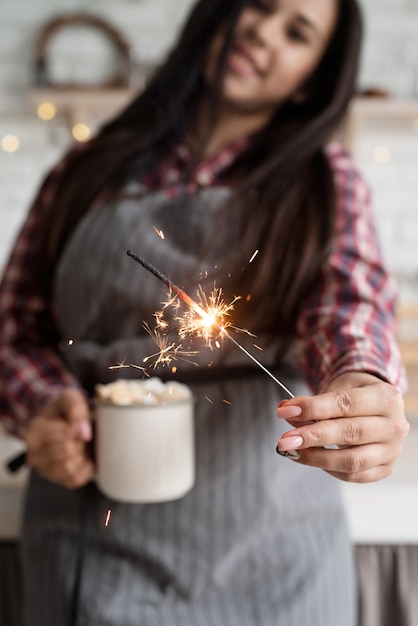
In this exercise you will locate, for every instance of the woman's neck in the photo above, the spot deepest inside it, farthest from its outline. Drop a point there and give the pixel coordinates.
(229, 127)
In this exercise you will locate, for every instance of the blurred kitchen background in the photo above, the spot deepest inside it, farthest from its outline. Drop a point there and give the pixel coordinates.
(57, 85)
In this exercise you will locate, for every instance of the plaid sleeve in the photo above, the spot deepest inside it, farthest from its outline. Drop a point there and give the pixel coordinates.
(31, 372)
(349, 323)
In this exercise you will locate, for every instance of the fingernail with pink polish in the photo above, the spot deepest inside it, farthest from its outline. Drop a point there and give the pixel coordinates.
(288, 412)
(290, 443)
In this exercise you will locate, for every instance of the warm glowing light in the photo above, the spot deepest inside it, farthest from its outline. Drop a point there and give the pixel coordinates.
(109, 513)
(161, 322)
(212, 306)
(70, 342)
(81, 132)
(208, 317)
(10, 143)
(167, 352)
(382, 155)
(257, 347)
(159, 232)
(208, 399)
(227, 402)
(195, 322)
(119, 366)
(46, 111)
(253, 257)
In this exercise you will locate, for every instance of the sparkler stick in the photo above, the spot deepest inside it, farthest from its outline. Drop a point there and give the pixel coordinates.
(257, 362)
(200, 311)
(163, 278)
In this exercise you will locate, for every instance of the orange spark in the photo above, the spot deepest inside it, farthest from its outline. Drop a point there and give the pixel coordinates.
(159, 232)
(212, 315)
(167, 352)
(208, 317)
(160, 321)
(119, 366)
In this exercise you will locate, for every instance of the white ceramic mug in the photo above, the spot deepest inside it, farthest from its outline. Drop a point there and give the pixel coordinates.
(145, 452)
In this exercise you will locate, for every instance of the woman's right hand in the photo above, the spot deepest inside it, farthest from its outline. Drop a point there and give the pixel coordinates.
(56, 441)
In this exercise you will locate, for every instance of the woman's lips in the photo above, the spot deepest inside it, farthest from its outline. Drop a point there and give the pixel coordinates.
(242, 62)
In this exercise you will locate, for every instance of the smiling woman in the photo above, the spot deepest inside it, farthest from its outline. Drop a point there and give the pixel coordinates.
(276, 48)
(226, 152)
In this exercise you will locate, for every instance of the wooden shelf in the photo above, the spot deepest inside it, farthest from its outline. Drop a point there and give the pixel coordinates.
(388, 108)
(98, 96)
(101, 103)
(365, 112)
(97, 103)
(90, 96)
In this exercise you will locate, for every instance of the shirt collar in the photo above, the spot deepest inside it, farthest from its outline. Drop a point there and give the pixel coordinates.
(208, 172)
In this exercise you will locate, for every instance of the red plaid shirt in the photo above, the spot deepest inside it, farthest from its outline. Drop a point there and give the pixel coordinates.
(347, 324)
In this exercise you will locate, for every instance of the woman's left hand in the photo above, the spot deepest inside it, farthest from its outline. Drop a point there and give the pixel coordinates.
(360, 414)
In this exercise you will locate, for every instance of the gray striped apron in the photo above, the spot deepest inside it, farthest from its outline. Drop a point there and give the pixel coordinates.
(259, 540)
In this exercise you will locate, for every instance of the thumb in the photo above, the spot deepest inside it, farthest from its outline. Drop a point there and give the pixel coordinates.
(75, 409)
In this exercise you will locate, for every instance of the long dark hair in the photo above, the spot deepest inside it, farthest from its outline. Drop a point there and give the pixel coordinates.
(283, 179)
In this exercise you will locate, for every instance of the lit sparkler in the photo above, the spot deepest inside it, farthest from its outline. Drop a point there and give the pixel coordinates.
(212, 317)
(167, 352)
(212, 312)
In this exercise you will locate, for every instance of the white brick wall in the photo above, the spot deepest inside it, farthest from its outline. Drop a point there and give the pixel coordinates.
(390, 54)
(149, 25)
(390, 60)
(394, 187)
